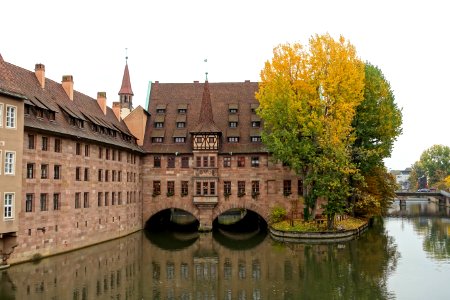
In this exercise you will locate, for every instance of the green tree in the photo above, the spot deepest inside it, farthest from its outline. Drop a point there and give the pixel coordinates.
(377, 124)
(308, 99)
(436, 163)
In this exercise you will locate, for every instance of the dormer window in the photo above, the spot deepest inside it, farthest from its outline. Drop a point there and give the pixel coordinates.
(182, 111)
(39, 112)
(157, 140)
(233, 124)
(233, 139)
(51, 115)
(159, 124)
(27, 109)
(253, 107)
(233, 108)
(182, 108)
(180, 140)
(181, 124)
(161, 109)
(256, 124)
(255, 139)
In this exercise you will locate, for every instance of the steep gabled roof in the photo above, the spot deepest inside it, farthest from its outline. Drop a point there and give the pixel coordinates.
(171, 97)
(205, 122)
(126, 83)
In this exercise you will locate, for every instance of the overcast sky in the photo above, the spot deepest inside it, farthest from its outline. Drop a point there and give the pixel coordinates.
(169, 40)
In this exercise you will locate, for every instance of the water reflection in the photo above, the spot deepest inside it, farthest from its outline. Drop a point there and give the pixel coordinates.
(210, 266)
(431, 222)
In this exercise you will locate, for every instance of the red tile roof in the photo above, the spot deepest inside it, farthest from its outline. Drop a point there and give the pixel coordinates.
(126, 83)
(205, 122)
(54, 98)
(171, 96)
(8, 83)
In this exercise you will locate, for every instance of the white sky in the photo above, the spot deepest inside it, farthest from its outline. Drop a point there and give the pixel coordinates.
(168, 41)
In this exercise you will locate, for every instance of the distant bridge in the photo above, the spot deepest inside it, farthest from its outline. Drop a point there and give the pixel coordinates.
(442, 196)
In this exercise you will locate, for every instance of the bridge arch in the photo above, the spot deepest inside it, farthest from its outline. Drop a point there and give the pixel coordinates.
(161, 206)
(253, 206)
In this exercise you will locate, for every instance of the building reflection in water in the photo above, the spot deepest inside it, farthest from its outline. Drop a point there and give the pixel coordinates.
(170, 265)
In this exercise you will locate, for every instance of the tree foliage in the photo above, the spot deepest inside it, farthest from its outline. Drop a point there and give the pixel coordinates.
(308, 98)
(331, 118)
(434, 163)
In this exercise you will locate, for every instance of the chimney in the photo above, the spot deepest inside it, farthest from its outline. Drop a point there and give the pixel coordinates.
(116, 109)
(101, 100)
(39, 71)
(67, 84)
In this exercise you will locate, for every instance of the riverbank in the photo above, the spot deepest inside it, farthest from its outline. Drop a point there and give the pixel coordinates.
(314, 232)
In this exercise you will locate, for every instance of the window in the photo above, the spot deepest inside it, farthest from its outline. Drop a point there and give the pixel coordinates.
(182, 110)
(44, 143)
(113, 198)
(107, 154)
(9, 163)
(241, 188)
(255, 188)
(99, 199)
(212, 162)
(27, 111)
(56, 204)
(100, 175)
(29, 202)
(255, 161)
(113, 154)
(256, 124)
(86, 174)
(113, 175)
(212, 188)
(1, 115)
(227, 188)
(86, 200)
(106, 198)
(205, 187)
(233, 139)
(170, 188)
(180, 140)
(185, 162)
(286, 187)
(198, 188)
(205, 161)
(232, 124)
(119, 198)
(77, 200)
(106, 175)
(51, 115)
(119, 176)
(171, 161)
(30, 170)
(56, 172)
(255, 139)
(241, 161)
(227, 162)
(11, 116)
(157, 140)
(159, 124)
(198, 162)
(31, 141)
(184, 188)
(8, 206)
(100, 152)
(119, 155)
(86, 150)
(58, 145)
(233, 110)
(78, 174)
(157, 161)
(43, 203)
(44, 171)
(39, 113)
(156, 187)
(181, 124)
(300, 187)
(78, 149)
(160, 110)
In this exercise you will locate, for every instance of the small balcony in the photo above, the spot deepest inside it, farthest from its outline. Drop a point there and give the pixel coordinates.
(206, 201)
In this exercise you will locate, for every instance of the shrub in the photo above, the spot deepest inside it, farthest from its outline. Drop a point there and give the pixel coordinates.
(278, 214)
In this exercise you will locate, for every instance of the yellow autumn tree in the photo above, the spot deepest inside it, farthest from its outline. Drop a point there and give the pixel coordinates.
(308, 96)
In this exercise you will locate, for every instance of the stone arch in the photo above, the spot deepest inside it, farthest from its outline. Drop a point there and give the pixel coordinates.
(160, 206)
(253, 206)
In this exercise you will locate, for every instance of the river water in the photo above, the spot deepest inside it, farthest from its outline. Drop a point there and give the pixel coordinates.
(405, 256)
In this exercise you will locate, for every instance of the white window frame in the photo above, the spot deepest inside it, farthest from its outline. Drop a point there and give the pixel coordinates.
(1, 115)
(12, 120)
(8, 206)
(12, 163)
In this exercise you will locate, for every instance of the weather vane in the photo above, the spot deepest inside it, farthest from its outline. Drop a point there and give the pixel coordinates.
(206, 73)
(126, 55)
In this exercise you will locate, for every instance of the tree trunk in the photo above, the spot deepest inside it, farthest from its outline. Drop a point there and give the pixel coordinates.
(330, 221)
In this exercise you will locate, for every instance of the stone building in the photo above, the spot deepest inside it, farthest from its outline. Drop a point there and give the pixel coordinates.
(75, 172)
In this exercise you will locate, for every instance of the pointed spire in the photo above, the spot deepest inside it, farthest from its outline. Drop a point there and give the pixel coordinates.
(126, 83)
(206, 119)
